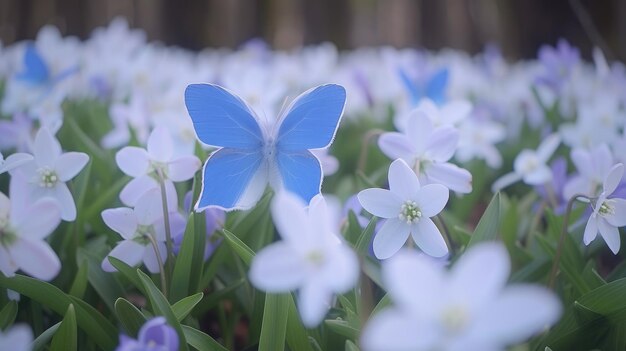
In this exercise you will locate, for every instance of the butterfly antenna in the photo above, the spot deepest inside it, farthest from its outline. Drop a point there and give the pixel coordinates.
(283, 108)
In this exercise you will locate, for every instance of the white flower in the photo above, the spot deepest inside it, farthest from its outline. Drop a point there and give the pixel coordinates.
(13, 161)
(18, 338)
(531, 166)
(145, 166)
(311, 257)
(46, 174)
(141, 228)
(592, 166)
(23, 228)
(477, 140)
(608, 214)
(329, 163)
(467, 308)
(449, 115)
(408, 208)
(427, 149)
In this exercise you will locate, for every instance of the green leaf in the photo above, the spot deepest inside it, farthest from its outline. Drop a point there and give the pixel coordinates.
(216, 296)
(354, 229)
(342, 328)
(383, 303)
(487, 228)
(189, 261)
(8, 314)
(80, 280)
(274, 327)
(65, 338)
(161, 307)
(201, 341)
(104, 283)
(42, 340)
(128, 272)
(363, 244)
(129, 316)
(240, 248)
(183, 307)
(97, 327)
(350, 346)
(297, 338)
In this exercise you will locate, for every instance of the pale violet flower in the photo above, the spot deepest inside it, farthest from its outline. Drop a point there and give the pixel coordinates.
(17, 338)
(608, 214)
(530, 165)
(311, 258)
(154, 335)
(477, 139)
(133, 115)
(147, 165)
(407, 206)
(328, 162)
(450, 114)
(46, 174)
(23, 228)
(593, 166)
(141, 228)
(466, 308)
(427, 150)
(13, 161)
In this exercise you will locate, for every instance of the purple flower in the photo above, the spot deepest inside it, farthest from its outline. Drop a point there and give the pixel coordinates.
(558, 62)
(154, 335)
(215, 219)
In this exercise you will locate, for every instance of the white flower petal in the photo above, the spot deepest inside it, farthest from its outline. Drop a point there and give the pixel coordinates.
(66, 200)
(617, 219)
(40, 220)
(36, 258)
(613, 179)
(402, 180)
(17, 338)
(14, 161)
(610, 234)
(390, 238)
(290, 217)
(122, 220)
(131, 193)
(583, 162)
(505, 181)
(547, 147)
(149, 207)
(380, 202)
(7, 265)
(343, 269)
(591, 229)
(431, 199)
(480, 274)
(539, 176)
(442, 144)
(419, 129)
(69, 164)
(518, 313)
(313, 303)
(127, 251)
(277, 268)
(133, 161)
(395, 145)
(428, 238)
(160, 145)
(46, 149)
(452, 176)
(183, 168)
(395, 329)
(150, 257)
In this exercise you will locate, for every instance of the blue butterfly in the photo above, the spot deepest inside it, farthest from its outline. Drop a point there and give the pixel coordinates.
(37, 72)
(252, 153)
(434, 88)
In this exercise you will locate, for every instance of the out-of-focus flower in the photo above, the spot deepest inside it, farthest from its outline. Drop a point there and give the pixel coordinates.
(427, 150)
(558, 63)
(467, 308)
(329, 163)
(477, 140)
(592, 166)
(311, 258)
(450, 114)
(154, 335)
(46, 174)
(530, 165)
(17, 338)
(608, 214)
(214, 220)
(23, 228)
(407, 206)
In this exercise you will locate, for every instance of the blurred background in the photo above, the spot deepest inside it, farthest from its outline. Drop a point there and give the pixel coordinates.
(518, 27)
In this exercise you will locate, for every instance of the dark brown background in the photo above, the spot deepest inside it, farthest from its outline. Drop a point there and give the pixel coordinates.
(519, 27)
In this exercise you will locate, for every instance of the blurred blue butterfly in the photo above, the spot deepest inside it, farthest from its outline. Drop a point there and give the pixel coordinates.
(434, 88)
(37, 72)
(252, 153)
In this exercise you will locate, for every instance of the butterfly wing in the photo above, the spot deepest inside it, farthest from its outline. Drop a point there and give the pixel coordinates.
(312, 119)
(222, 119)
(300, 172)
(233, 179)
(35, 69)
(437, 85)
(410, 86)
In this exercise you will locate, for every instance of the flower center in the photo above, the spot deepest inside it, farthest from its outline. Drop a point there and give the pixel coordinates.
(160, 168)
(409, 212)
(607, 208)
(315, 257)
(142, 234)
(48, 178)
(455, 318)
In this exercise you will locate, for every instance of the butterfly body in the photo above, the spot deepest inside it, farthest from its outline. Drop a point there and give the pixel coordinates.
(253, 153)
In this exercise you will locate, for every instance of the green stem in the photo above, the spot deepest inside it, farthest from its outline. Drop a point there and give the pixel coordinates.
(559, 249)
(155, 246)
(168, 234)
(446, 234)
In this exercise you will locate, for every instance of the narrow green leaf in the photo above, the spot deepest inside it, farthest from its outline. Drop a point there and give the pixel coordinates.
(128, 272)
(183, 307)
(363, 244)
(297, 337)
(80, 280)
(489, 224)
(161, 307)
(8, 314)
(42, 340)
(97, 327)
(66, 337)
(350, 346)
(354, 229)
(342, 328)
(104, 283)
(189, 261)
(383, 303)
(274, 326)
(201, 341)
(215, 297)
(240, 248)
(129, 316)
